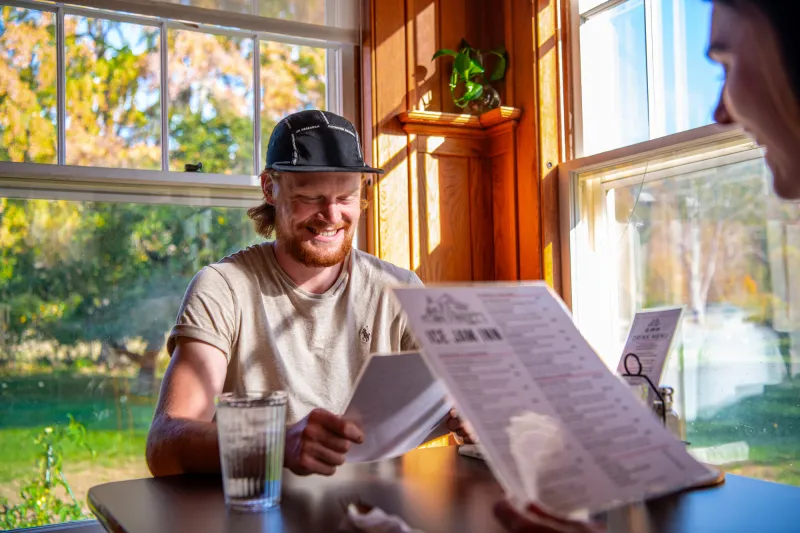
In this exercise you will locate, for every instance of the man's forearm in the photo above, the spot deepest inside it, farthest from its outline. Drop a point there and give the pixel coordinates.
(181, 446)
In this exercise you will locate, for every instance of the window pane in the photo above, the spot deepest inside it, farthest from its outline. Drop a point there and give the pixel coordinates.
(27, 86)
(718, 242)
(211, 102)
(312, 11)
(293, 78)
(586, 5)
(113, 94)
(614, 78)
(686, 84)
(88, 292)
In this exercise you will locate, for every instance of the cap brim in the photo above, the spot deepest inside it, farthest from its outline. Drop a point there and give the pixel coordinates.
(309, 168)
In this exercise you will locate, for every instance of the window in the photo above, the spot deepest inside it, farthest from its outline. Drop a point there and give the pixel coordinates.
(697, 225)
(113, 97)
(211, 102)
(28, 103)
(643, 71)
(102, 225)
(136, 92)
(89, 291)
(664, 209)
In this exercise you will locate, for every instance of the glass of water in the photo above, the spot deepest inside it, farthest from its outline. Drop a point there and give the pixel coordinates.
(251, 429)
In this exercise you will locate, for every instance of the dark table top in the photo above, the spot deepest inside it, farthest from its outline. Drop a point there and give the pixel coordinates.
(434, 490)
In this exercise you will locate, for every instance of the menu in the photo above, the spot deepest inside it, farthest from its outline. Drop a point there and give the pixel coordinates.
(555, 425)
(399, 404)
(650, 339)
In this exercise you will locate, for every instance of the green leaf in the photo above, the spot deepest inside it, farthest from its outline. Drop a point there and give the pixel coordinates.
(443, 52)
(474, 91)
(500, 68)
(462, 66)
(464, 46)
(475, 68)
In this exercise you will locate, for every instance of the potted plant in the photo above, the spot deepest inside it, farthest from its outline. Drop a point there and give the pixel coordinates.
(469, 86)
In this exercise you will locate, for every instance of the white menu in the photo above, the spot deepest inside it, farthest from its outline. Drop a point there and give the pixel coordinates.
(555, 425)
(650, 339)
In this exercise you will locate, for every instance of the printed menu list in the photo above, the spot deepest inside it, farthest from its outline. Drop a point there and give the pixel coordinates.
(555, 425)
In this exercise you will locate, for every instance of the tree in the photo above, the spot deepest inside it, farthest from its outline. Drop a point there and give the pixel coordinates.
(73, 272)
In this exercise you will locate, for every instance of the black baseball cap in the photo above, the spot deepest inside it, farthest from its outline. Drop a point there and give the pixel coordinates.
(316, 141)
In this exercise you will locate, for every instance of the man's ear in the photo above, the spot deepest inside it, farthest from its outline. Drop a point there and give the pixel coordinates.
(268, 187)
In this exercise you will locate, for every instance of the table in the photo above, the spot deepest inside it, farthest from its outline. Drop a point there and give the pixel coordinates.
(434, 490)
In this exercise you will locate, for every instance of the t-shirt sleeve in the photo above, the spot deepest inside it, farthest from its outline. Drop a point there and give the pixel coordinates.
(207, 312)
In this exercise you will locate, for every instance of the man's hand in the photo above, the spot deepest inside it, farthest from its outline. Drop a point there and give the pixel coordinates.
(318, 443)
(516, 522)
(455, 425)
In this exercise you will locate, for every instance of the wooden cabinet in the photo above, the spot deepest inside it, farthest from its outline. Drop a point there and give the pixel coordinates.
(461, 195)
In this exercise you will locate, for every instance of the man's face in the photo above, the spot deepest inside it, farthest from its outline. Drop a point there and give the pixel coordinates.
(317, 215)
(757, 93)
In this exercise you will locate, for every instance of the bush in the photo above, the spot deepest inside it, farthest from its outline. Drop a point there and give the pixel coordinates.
(47, 497)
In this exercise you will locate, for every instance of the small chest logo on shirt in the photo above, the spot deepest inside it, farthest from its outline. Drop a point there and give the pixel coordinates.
(364, 335)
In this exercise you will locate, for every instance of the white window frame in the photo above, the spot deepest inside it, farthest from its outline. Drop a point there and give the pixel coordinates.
(588, 274)
(654, 58)
(26, 180)
(583, 205)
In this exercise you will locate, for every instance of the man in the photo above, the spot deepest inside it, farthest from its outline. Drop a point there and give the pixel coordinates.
(757, 43)
(300, 314)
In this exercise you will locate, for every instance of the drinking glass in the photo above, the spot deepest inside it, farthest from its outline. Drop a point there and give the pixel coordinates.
(251, 429)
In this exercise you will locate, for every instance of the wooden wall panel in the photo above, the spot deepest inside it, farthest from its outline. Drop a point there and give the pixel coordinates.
(392, 191)
(502, 155)
(427, 74)
(522, 76)
(481, 219)
(445, 242)
(519, 194)
(452, 28)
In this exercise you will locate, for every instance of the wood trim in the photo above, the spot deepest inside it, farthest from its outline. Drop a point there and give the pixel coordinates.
(455, 120)
(368, 120)
(500, 115)
(440, 119)
(525, 90)
(548, 126)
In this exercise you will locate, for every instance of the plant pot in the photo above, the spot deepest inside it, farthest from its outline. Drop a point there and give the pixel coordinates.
(490, 99)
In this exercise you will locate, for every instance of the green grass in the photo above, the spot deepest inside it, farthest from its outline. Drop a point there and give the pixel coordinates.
(19, 455)
(116, 420)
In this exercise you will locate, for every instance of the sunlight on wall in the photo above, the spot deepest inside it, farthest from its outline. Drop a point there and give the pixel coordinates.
(433, 203)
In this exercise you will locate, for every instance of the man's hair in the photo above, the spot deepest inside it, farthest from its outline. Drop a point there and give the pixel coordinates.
(264, 215)
(784, 16)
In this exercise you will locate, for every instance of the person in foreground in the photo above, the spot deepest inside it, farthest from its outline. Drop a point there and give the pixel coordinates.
(301, 314)
(758, 45)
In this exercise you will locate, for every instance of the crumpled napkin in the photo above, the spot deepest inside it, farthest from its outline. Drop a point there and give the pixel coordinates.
(365, 519)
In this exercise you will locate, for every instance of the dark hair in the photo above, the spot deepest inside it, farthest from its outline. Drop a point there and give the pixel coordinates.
(784, 16)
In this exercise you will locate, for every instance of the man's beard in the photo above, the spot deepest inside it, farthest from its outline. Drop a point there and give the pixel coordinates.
(306, 253)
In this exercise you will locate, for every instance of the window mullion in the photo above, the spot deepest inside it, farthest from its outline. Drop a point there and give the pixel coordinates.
(164, 42)
(256, 106)
(655, 68)
(61, 88)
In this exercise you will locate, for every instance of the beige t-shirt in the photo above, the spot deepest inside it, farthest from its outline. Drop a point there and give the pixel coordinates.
(277, 336)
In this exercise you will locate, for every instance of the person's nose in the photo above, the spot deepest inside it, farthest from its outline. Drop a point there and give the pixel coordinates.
(331, 212)
(721, 115)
